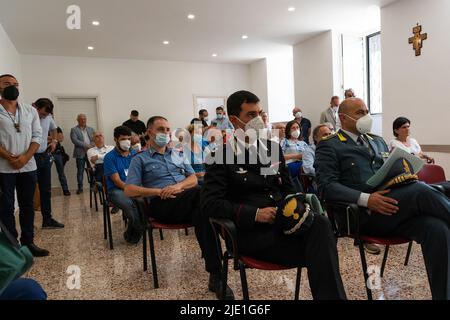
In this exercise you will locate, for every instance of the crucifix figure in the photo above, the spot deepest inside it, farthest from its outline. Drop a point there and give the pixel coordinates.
(417, 40)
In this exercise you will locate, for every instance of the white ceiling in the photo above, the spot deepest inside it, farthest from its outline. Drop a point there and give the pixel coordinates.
(135, 29)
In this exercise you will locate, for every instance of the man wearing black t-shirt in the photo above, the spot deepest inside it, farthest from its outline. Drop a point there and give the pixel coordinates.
(135, 125)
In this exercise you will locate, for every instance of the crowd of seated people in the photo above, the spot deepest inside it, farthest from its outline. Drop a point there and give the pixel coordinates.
(185, 186)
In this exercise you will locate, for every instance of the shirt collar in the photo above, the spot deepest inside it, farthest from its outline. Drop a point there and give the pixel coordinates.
(152, 151)
(351, 135)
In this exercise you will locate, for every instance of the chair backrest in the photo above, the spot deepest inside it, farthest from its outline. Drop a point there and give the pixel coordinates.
(104, 188)
(432, 173)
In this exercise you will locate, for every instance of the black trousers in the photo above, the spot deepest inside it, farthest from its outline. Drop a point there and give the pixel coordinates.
(423, 216)
(25, 185)
(185, 208)
(44, 176)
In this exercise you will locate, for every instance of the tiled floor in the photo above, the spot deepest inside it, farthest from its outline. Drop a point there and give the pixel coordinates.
(118, 274)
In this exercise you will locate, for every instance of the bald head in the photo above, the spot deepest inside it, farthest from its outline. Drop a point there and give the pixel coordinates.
(350, 110)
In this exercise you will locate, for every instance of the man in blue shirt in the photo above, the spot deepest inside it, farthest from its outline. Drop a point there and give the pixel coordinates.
(165, 176)
(116, 164)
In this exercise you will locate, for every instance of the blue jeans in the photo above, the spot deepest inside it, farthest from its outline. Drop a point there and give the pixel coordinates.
(24, 289)
(81, 164)
(119, 199)
(60, 169)
(44, 176)
(25, 184)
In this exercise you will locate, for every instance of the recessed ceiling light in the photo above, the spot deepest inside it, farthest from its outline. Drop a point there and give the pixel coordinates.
(166, 42)
(95, 23)
(90, 48)
(291, 9)
(191, 16)
(214, 55)
(245, 36)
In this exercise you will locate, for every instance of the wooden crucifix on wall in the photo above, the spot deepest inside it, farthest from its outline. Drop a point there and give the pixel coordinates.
(417, 39)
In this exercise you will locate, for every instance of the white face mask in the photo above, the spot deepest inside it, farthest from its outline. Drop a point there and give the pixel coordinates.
(206, 119)
(364, 124)
(298, 115)
(295, 134)
(125, 145)
(137, 147)
(255, 124)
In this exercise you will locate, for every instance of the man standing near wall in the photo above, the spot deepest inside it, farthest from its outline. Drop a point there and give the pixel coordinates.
(20, 136)
(44, 108)
(305, 124)
(82, 138)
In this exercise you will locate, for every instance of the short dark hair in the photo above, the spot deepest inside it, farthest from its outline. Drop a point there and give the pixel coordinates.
(201, 112)
(121, 131)
(44, 103)
(220, 108)
(152, 120)
(288, 128)
(398, 123)
(235, 101)
(7, 75)
(135, 113)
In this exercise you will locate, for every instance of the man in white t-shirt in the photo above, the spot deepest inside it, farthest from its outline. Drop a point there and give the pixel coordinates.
(97, 154)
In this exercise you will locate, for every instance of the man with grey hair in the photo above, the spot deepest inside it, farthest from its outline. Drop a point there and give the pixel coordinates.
(82, 138)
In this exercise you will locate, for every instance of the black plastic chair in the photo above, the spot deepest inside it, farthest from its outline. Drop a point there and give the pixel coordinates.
(227, 229)
(351, 229)
(107, 229)
(93, 191)
(142, 205)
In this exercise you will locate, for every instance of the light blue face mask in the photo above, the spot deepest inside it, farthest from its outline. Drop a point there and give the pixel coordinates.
(220, 116)
(162, 139)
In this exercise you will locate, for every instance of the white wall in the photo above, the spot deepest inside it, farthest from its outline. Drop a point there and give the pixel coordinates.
(153, 87)
(258, 81)
(9, 57)
(313, 75)
(417, 87)
(280, 83)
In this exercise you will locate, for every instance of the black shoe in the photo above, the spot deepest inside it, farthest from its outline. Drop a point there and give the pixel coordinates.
(52, 224)
(114, 210)
(79, 191)
(36, 251)
(132, 237)
(66, 193)
(215, 285)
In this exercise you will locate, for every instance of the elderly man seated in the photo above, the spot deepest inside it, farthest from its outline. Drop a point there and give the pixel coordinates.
(166, 177)
(97, 154)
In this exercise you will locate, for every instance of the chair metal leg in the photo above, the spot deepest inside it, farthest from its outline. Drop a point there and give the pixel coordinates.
(408, 253)
(244, 281)
(364, 267)
(297, 283)
(108, 218)
(105, 231)
(153, 258)
(144, 249)
(383, 265)
(96, 203)
(224, 276)
(161, 236)
(90, 198)
(186, 231)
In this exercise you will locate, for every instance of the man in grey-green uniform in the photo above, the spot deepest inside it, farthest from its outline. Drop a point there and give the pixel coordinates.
(347, 159)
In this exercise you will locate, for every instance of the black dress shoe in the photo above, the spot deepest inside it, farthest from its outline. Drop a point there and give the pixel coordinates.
(36, 251)
(215, 285)
(66, 193)
(52, 224)
(79, 191)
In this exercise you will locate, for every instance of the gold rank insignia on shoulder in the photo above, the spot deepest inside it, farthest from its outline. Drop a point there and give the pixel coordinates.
(341, 137)
(329, 137)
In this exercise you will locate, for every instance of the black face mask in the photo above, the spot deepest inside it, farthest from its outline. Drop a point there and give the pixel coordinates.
(10, 93)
